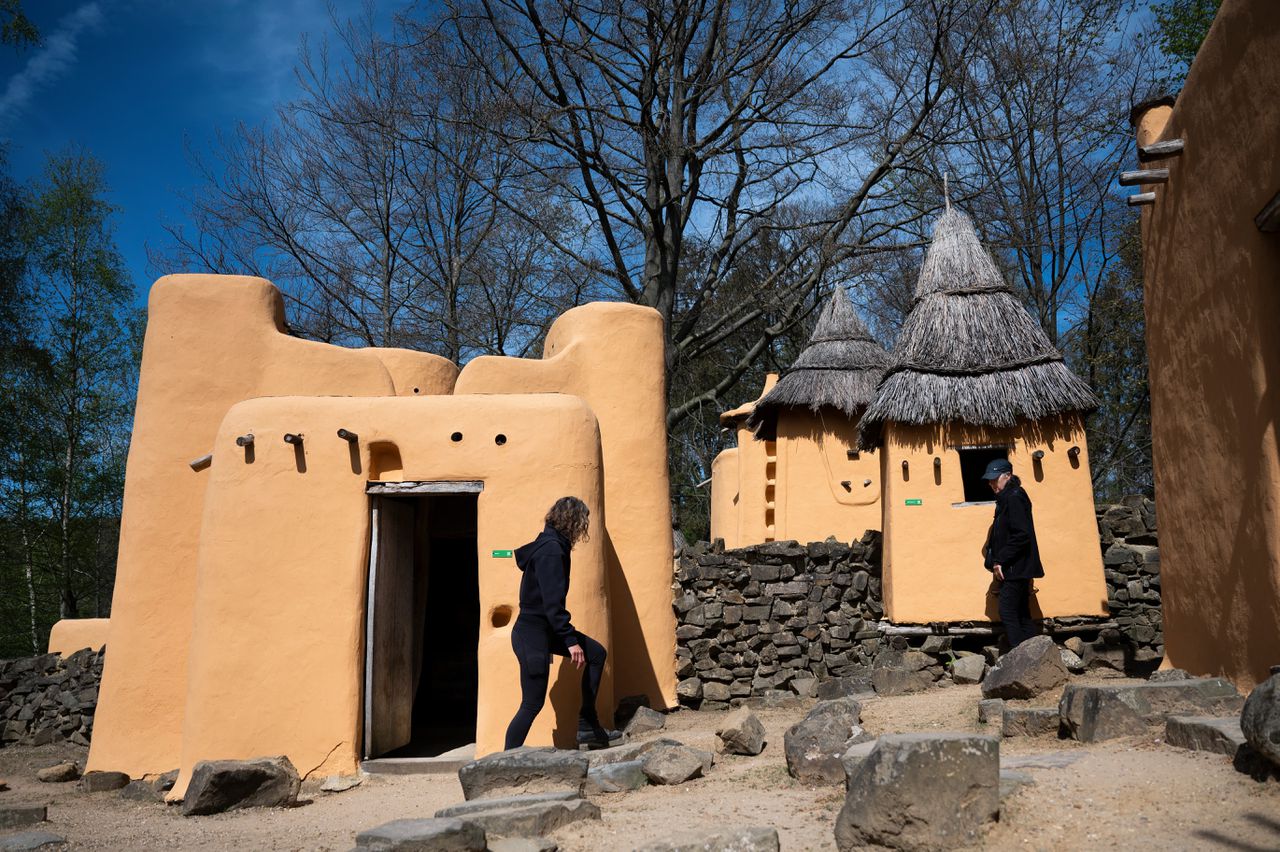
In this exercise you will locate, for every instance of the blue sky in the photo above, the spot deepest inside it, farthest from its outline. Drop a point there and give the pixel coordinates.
(135, 82)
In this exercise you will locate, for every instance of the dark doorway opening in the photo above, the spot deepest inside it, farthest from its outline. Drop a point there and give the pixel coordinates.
(973, 463)
(422, 681)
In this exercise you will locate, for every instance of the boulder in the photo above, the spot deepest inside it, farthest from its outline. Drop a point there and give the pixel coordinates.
(675, 764)
(1033, 667)
(17, 816)
(522, 844)
(1072, 660)
(644, 721)
(741, 733)
(98, 782)
(141, 790)
(1260, 719)
(423, 835)
(854, 756)
(33, 841)
(523, 770)
(1166, 675)
(1075, 645)
(968, 669)
(223, 785)
(1205, 733)
(689, 690)
(627, 753)
(523, 816)
(1094, 713)
(745, 839)
(1029, 721)
(815, 744)
(991, 710)
(616, 777)
(888, 681)
(627, 709)
(844, 687)
(59, 773)
(922, 791)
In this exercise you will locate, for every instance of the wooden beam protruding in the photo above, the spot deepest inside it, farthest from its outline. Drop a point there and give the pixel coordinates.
(1144, 176)
(201, 463)
(1157, 150)
(1268, 220)
(1141, 198)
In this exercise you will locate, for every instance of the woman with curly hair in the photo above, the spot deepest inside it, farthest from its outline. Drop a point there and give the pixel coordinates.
(543, 627)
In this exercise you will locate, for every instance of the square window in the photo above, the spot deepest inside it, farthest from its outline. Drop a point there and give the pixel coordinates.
(973, 463)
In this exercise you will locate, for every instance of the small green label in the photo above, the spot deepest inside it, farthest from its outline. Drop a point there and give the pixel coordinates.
(915, 502)
(502, 554)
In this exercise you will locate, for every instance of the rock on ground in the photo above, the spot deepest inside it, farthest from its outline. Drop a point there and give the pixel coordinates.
(644, 721)
(991, 710)
(741, 733)
(853, 757)
(922, 791)
(1029, 721)
(33, 841)
(523, 770)
(1166, 675)
(17, 816)
(340, 783)
(522, 844)
(420, 835)
(1012, 780)
(815, 744)
(59, 773)
(222, 785)
(1205, 733)
(617, 777)
(523, 816)
(627, 709)
(675, 764)
(1095, 713)
(627, 753)
(1260, 719)
(844, 687)
(1033, 667)
(98, 782)
(968, 669)
(746, 839)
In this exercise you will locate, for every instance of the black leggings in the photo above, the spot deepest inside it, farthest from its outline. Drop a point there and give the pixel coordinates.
(1015, 611)
(534, 644)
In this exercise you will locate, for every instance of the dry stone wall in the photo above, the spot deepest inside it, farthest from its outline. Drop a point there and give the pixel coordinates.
(789, 617)
(49, 699)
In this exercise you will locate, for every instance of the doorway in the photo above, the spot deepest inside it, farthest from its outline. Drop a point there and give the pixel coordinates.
(423, 621)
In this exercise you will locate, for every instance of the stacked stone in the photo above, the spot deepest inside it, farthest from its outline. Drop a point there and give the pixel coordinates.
(776, 616)
(1131, 560)
(49, 699)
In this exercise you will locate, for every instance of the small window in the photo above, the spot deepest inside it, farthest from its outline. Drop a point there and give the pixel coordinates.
(973, 463)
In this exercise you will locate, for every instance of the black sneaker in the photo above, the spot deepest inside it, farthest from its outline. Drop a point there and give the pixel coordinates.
(597, 736)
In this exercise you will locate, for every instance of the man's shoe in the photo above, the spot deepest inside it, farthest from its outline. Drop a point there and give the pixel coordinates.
(597, 736)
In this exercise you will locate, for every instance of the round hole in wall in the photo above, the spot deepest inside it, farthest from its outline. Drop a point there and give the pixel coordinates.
(500, 616)
(456, 437)
(499, 439)
(415, 390)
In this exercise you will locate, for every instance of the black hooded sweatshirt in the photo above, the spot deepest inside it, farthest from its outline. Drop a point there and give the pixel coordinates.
(545, 563)
(1011, 543)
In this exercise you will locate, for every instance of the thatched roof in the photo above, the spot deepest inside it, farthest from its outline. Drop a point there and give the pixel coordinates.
(838, 369)
(969, 352)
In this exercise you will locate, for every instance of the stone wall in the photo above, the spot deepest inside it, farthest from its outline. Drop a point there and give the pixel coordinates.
(788, 617)
(49, 699)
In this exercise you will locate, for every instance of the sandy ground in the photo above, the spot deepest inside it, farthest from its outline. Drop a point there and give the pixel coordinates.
(1122, 794)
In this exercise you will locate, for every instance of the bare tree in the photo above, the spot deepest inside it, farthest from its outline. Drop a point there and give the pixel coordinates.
(666, 121)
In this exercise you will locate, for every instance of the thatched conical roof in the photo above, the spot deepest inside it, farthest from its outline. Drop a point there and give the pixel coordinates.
(969, 352)
(838, 369)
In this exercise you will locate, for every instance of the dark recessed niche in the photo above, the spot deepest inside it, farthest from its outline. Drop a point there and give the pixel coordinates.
(499, 439)
(415, 390)
(456, 437)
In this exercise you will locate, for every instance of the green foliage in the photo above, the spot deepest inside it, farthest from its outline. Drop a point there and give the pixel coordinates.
(1182, 26)
(15, 27)
(67, 403)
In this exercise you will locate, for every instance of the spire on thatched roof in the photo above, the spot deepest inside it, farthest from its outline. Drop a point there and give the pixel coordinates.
(969, 352)
(838, 369)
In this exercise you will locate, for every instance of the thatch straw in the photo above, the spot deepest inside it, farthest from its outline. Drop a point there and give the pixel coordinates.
(838, 369)
(968, 351)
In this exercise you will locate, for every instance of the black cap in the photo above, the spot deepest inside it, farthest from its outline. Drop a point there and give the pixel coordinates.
(996, 467)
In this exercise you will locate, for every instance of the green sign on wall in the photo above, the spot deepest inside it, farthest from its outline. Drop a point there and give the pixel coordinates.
(502, 554)
(915, 502)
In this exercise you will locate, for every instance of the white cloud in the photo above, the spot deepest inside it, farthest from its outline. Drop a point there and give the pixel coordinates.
(51, 60)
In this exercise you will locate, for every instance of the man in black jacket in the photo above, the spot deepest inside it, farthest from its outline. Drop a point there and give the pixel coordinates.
(1012, 553)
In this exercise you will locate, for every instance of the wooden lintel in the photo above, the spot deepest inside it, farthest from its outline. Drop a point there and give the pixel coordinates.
(464, 486)
(1141, 198)
(1268, 220)
(1144, 176)
(202, 462)
(1160, 149)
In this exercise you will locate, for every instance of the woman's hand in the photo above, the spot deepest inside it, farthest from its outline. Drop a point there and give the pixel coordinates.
(579, 658)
